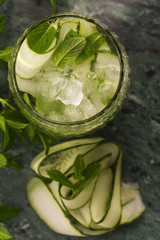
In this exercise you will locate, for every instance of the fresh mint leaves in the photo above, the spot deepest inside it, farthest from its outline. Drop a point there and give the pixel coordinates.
(41, 37)
(2, 23)
(4, 234)
(83, 174)
(3, 161)
(7, 212)
(5, 56)
(93, 42)
(68, 51)
(1, 2)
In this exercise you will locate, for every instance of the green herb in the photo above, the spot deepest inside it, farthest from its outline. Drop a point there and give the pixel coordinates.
(83, 174)
(93, 42)
(2, 23)
(5, 56)
(71, 34)
(3, 161)
(8, 212)
(53, 5)
(68, 51)
(41, 37)
(1, 2)
(4, 234)
(27, 99)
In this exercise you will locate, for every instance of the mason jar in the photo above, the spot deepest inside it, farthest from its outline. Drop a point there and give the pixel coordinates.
(73, 128)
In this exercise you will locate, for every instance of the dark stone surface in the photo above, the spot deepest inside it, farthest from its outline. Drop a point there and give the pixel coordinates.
(136, 127)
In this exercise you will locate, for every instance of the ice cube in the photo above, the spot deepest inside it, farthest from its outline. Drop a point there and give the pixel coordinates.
(73, 113)
(72, 92)
(51, 83)
(88, 108)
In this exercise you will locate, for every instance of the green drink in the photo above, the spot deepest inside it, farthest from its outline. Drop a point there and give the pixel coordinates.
(69, 74)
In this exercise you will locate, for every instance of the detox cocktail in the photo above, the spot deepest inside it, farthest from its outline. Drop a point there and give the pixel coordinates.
(68, 70)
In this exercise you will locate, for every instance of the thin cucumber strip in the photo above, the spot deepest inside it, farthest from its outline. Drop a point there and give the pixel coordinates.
(62, 160)
(29, 63)
(90, 232)
(133, 209)
(82, 215)
(101, 151)
(129, 192)
(45, 205)
(80, 199)
(101, 195)
(59, 147)
(113, 216)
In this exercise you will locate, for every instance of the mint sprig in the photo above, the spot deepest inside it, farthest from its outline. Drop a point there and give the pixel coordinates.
(68, 50)
(4, 234)
(83, 174)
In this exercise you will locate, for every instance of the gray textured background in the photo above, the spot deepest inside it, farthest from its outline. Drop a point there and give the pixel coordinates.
(136, 127)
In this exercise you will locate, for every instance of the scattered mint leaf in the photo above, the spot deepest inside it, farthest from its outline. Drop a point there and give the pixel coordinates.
(68, 51)
(8, 212)
(5, 54)
(1, 2)
(56, 175)
(16, 124)
(12, 163)
(3, 164)
(53, 5)
(78, 167)
(2, 23)
(41, 37)
(4, 234)
(93, 42)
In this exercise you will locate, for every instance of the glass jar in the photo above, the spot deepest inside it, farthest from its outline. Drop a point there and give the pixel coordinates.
(70, 129)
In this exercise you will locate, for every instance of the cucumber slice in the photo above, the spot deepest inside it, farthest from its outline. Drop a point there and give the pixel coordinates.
(113, 215)
(79, 200)
(101, 195)
(129, 192)
(87, 28)
(45, 205)
(86, 142)
(66, 27)
(29, 86)
(29, 63)
(133, 209)
(101, 152)
(82, 215)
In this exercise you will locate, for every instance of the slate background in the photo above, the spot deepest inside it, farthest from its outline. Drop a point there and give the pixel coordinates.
(136, 127)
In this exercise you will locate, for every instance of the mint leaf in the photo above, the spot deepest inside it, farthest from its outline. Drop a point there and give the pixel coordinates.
(93, 42)
(2, 23)
(68, 51)
(8, 212)
(41, 37)
(5, 54)
(78, 167)
(53, 5)
(71, 34)
(60, 177)
(16, 124)
(3, 163)
(4, 234)
(89, 173)
(1, 2)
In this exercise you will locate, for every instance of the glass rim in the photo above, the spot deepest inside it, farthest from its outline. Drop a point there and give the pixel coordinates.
(123, 78)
